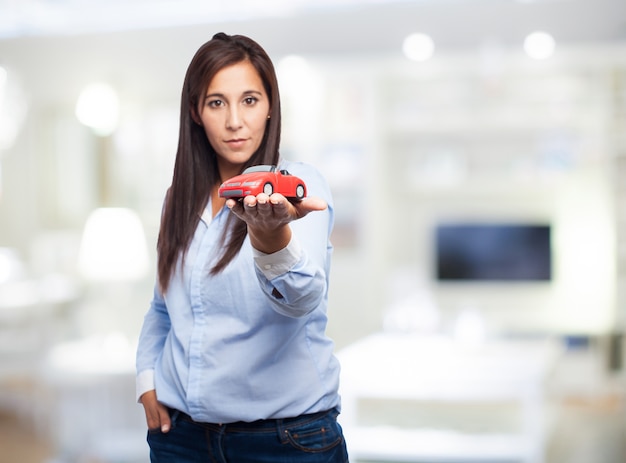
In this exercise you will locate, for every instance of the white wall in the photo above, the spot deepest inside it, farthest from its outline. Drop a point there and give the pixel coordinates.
(450, 140)
(403, 145)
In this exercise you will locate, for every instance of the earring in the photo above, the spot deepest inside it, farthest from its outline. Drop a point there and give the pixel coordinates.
(268, 116)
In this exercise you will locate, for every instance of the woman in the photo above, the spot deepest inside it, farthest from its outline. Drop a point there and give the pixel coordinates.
(233, 364)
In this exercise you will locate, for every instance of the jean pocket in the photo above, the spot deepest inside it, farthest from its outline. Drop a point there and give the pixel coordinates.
(174, 417)
(317, 435)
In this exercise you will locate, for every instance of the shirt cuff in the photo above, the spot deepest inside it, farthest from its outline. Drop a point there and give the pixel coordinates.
(144, 383)
(279, 262)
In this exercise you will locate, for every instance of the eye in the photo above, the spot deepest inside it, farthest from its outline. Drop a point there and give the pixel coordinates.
(250, 100)
(214, 103)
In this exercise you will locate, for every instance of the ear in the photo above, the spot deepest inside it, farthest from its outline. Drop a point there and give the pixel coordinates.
(193, 112)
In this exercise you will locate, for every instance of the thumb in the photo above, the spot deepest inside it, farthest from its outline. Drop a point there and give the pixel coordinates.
(310, 204)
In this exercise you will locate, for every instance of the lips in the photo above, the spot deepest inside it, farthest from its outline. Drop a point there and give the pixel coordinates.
(236, 142)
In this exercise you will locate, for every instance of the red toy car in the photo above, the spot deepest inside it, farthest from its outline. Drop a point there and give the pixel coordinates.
(263, 179)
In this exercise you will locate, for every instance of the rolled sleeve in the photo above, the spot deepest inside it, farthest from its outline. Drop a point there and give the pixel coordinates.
(144, 383)
(280, 262)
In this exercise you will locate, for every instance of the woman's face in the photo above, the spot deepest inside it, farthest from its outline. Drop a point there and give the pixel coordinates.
(234, 114)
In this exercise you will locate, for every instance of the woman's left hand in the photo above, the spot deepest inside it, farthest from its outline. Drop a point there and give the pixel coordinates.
(268, 217)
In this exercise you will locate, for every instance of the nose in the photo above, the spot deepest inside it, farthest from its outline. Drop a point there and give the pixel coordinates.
(233, 119)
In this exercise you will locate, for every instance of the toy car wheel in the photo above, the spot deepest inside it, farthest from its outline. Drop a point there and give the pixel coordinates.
(300, 191)
(268, 189)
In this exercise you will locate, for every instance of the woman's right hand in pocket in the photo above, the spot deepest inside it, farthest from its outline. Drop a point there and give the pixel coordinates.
(157, 415)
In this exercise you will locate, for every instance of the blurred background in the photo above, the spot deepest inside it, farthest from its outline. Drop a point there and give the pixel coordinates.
(476, 150)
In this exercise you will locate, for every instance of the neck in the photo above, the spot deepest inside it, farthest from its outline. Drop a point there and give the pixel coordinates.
(217, 203)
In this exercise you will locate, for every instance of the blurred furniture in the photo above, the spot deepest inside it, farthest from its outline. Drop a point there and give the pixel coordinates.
(415, 375)
(113, 246)
(32, 314)
(113, 261)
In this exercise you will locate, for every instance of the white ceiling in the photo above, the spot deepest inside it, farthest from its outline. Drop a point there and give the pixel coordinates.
(323, 26)
(143, 47)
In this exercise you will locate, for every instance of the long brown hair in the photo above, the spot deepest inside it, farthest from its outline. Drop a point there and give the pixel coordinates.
(195, 168)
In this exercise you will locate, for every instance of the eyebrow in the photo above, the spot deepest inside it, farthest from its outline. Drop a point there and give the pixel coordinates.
(221, 95)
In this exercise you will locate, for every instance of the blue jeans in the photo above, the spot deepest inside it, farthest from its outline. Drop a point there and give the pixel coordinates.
(312, 438)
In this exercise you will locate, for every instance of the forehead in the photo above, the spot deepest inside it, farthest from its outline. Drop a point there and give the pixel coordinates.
(236, 78)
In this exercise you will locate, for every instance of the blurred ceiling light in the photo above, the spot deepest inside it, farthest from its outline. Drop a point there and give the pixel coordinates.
(418, 47)
(539, 45)
(98, 108)
(113, 246)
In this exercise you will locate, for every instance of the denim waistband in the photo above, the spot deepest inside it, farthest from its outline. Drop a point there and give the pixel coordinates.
(259, 425)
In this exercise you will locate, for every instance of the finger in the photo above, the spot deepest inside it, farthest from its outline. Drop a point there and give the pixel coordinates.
(277, 199)
(281, 207)
(263, 206)
(262, 198)
(152, 419)
(150, 405)
(236, 207)
(165, 420)
(243, 208)
(249, 202)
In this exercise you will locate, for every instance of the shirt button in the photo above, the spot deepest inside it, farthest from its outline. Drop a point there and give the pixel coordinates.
(268, 266)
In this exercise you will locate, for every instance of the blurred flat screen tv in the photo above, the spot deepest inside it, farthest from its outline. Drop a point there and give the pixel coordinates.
(493, 252)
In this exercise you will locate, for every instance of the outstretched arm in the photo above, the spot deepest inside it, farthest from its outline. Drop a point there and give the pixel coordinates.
(268, 218)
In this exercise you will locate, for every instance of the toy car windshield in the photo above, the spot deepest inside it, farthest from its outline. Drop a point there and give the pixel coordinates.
(260, 168)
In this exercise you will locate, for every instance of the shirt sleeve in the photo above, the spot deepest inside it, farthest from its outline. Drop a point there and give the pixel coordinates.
(154, 330)
(144, 382)
(280, 262)
(295, 279)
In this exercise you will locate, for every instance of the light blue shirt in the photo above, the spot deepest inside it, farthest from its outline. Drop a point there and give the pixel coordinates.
(223, 348)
